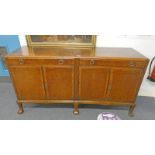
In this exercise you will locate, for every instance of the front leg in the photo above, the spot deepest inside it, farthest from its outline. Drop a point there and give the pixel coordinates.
(131, 109)
(20, 106)
(76, 111)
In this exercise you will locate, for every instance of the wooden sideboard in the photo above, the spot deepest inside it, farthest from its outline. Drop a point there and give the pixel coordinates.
(105, 76)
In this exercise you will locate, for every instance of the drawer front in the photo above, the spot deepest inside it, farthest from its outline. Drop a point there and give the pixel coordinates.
(113, 63)
(24, 61)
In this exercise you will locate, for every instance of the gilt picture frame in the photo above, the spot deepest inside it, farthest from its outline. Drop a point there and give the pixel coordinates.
(61, 40)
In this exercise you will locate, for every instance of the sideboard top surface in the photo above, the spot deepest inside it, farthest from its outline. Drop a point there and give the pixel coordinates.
(55, 52)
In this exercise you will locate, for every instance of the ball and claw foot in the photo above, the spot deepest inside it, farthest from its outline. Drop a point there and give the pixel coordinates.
(131, 114)
(131, 108)
(76, 111)
(20, 111)
(20, 106)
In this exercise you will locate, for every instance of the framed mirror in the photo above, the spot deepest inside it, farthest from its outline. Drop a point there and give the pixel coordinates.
(61, 40)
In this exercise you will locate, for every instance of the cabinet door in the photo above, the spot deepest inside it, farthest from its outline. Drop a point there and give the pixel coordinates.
(59, 82)
(124, 84)
(28, 81)
(93, 82)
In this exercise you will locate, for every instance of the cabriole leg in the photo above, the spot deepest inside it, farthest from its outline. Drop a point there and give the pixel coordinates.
(20, 106)
(131, 109)
(76, 111)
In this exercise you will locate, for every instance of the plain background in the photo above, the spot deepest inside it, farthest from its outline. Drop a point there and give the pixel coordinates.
(101, 17)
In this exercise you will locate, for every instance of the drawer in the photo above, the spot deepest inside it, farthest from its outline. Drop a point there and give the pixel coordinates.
(113, 63)
(24, 61)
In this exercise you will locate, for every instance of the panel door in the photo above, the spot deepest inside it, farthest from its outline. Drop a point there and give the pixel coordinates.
(59, 82)
(124, 84)
(93, 82)
(28, 81)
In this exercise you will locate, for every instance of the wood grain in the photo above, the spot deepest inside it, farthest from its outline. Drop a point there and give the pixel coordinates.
(50, 75)
(93, 82)
(59, 82)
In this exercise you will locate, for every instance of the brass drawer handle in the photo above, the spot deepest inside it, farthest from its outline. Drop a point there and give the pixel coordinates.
(132, 64)
(21, 61)
(61, 61)
(92, 62)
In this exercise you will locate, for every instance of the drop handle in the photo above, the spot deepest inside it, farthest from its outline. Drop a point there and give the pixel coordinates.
(132, 64)
(21, 61)
(61, 61)
(92, 62)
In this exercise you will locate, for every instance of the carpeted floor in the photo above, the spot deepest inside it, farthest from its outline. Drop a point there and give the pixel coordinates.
(145, 109)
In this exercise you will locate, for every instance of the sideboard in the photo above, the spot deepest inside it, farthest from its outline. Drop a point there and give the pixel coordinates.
(94, 75)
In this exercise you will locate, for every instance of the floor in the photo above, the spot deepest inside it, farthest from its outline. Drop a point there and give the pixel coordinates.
(145, 109)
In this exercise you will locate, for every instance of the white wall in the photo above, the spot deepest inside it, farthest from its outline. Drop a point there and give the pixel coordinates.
(143, 44)
(22, 40)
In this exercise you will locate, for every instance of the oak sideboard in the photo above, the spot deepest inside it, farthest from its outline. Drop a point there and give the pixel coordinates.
(94, 75)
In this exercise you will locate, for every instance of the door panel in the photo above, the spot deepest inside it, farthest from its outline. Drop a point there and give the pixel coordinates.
(93, 82)
(124, 84)
(59, 81)
(28, 81)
